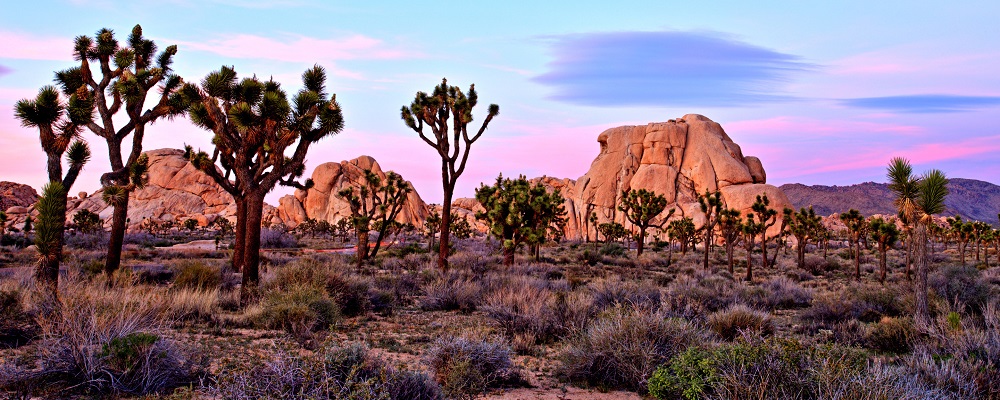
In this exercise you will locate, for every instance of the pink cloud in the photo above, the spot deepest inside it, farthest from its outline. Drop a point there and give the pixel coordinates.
(298, 48)
(801, 126)
(24, 46)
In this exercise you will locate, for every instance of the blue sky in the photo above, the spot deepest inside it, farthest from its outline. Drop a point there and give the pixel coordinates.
(822, 93)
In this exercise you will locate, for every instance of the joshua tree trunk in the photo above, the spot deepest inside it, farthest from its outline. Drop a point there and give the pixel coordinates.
(909, 255)
(119, 218)
(240, 240)
(922, 312)
(642, 241)
(749, 277)
(763, 251)
(362, 253)
(443, 249)
(251, 253)
(508, 255)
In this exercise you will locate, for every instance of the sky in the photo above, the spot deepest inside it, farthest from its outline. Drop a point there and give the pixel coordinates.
(823, 92)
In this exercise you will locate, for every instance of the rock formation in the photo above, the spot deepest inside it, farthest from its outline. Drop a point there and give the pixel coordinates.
(678, 159)
(322, 202)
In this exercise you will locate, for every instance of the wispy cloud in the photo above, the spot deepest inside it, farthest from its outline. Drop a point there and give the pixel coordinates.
(298, 48)
(4, 70)
(667, 68)
(924, 103)
(16, 45)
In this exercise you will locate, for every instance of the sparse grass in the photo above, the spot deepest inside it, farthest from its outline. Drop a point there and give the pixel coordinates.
(465, 368)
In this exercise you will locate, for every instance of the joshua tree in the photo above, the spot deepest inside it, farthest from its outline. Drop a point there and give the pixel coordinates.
(711, 206)
(612, 231)
(766, 217)
(49, 235)
(730, 225)
(254, 124)
(804, 226)
(683, 231)
(855, 223)
(431, 227)
(128, 74)
(461, 229)
(961, 231)
(377, 204)
(59, 125)
(750, 229)
(641, 207)
(452, 143)
(932, 190)
(592, 220)
(87, 221)
(884, 234)
(518, 212)
(905, 187)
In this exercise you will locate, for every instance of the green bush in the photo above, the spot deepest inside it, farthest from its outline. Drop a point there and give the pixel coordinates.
(197, 275)
(689, 375)
(613, 249)
(300, 310)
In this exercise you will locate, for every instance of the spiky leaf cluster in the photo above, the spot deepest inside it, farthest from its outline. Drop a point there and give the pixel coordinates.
(518, 212)
(51, 209)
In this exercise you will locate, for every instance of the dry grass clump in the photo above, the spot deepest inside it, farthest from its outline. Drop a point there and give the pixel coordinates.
(864, 302)
(103, 341)
(776, 294)
(17, 324)
(891, 334)
(196, 274)
(331, 372)
(452, 291)
(740, 320)
(700, 293)
(962, 286)
(301, 311)
(533, 311)
(610, 293)
(466, 368)
(622, 348)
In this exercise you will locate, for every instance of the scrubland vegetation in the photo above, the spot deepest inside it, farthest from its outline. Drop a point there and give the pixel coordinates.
(588, 317)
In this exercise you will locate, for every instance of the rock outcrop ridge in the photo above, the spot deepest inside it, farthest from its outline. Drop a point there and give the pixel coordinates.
(322, 201)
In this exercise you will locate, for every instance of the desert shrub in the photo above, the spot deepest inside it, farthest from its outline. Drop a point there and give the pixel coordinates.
(777, 293)
(453, 291)
(530, 311)
(738, 320)
(145, 239)
(961, 286)
(402, 286)
(613, 249)
(694, 296)
(352, 293)
(17, 325)
(277, 239)
(300, 310)
(88, 241)
(829, 308)
(616, 292)
(195, 304)
(621, 349)
(331, 372)
(105, 341)
(197, 275)
(894, 335)
(466, 368)
(872, 302)
(589, 257)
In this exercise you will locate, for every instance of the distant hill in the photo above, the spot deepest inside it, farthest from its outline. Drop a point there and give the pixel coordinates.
(968, 198)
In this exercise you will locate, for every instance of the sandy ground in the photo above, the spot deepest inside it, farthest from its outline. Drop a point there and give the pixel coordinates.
(560, 394)
(207, 244)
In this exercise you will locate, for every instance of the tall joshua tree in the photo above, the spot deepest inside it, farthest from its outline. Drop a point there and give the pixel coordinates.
(904, 186)
(641, 207)
(59, 125)
(375, 203)
(804, 226)
(451, 140)
(127, 76)
(254, 123)
(766, 218)
(711, 206)
(730, 228)
(932, 190)
(855, 223)
(884, 234)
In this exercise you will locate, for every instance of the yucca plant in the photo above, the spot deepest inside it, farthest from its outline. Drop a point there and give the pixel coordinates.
(375, 203)
(767, 217)
(884, 234)
(711, 206)
(49, 228)
(855, 223)
(904, 186)
(126, 75)
(447, 112)
(932, 191)
(254, 123)
(59, 123)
